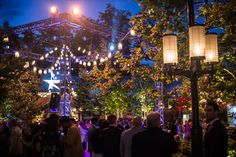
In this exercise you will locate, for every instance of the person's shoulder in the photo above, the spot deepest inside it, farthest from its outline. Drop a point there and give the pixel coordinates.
(125, 132)
(142, 133)
(219, 125)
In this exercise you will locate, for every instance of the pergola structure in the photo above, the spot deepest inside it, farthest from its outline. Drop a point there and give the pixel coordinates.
(66, 58)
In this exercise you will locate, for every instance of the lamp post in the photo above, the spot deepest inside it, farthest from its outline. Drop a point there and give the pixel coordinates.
(201, 47)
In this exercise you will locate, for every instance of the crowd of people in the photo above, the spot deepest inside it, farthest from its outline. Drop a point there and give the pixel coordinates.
(111, 137)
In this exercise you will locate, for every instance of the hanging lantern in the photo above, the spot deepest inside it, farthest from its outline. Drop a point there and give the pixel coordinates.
(55, 48)
(197, 41)
(80, 62)
(84, 63)
(211, 50)
(89, 53)
(170, 54)
(45, 71)
(79, 48)
(33, 62)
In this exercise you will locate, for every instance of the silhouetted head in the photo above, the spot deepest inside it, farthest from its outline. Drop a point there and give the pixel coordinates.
(153, 119)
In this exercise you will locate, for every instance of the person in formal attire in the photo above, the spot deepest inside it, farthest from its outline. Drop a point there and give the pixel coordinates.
(153, 142)
(15, 140)
(216, 137)
(96, 141)
(72, 139)
(127, 135)
(111, 139)
(120, 124)
(91, 132)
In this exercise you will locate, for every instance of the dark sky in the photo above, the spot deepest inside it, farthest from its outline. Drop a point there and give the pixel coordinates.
(19, 12)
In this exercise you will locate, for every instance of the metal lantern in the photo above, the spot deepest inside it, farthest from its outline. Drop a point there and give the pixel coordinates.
(197, 41)
(211, 50)
(170, 54)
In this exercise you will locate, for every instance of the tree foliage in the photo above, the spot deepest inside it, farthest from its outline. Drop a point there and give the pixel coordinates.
(19, 88)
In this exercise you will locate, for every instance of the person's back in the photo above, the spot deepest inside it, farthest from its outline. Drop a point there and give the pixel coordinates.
(111, 139)
(72, 142)
(91, 134)
(153, 142)
(127, 136)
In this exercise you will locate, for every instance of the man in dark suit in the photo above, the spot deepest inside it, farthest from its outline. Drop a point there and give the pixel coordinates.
(153, 142)
(91, 134)
(111, 139)
(216, 137)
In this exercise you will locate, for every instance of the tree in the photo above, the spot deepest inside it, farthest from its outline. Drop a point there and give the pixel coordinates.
(19, 88)
(223, 83)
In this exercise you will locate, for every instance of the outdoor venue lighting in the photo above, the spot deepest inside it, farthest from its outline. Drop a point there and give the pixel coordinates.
(170, 54)
(211, 49)
(132, 32)
(201, 47)
(75, 11)
(54, 10)
(120, 46)
(197, 41)
(17, 54)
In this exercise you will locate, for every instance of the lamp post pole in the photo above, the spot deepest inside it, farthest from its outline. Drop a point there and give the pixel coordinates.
(197, 149)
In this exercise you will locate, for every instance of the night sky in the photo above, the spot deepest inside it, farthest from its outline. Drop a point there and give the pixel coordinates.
(19, 12)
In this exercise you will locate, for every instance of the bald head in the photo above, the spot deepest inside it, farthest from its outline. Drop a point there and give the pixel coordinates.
(153, 119)
(137, 121)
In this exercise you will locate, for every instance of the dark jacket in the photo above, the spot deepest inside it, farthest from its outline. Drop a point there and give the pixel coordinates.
(111, 142)
(153, 142)
(215, 141)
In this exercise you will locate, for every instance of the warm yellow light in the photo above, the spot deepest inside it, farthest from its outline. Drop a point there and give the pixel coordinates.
(170, 54)
(17, 54)
(211, 50)
(40, 71)
(35, 69)
(33, 62)
(45, 71)
(120, 46)
(6, 39)
(53, 10)
(132, 32)
(26, 65)
(197, 41)
(75, 11)
(89, 64)
(109, 55)
(94, 62)
(102, 60)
